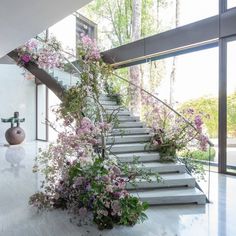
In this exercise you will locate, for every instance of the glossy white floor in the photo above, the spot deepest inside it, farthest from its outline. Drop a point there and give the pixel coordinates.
(17, 183)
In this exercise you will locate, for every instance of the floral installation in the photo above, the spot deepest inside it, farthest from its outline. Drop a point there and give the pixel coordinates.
(46, 55)
(80, 175)
(173, 133)
(77, 178)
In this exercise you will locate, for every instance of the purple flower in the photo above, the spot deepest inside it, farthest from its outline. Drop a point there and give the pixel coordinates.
(83, 211)
(26, 58)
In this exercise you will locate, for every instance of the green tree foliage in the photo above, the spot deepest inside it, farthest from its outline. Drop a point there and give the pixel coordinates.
(231, 115)
(209, 105)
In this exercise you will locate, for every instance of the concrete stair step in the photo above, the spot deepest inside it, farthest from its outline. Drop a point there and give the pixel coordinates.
(142, 156)
(127, 118)
(131, 124)
(118, 112)
(158, 167)
(108, 103)
(168, 180)
(130, 131)
(114, 107)
(129, 139)
(130, 147)
(181, 195)
(104, 97)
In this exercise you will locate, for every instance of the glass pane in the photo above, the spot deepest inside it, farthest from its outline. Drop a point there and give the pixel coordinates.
(41, 112)
(184, 82)
(115, 24)
(231, 3)
(231, 107)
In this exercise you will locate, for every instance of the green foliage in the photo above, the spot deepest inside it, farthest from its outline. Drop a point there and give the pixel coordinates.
(73, 103)
(118, 15)
(209, 106)
(231, 115)
(199, 154)
(195, 168)
(132, 211)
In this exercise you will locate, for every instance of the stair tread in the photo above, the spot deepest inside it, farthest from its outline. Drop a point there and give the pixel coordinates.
(160, 164)
(138, 154)
(130, 144)
(168, 192)
(118, 139)
(134, 136)
(131, 130)
(170, 176)
(131, 123)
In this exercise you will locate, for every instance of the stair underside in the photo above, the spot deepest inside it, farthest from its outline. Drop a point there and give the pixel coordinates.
(128, 142)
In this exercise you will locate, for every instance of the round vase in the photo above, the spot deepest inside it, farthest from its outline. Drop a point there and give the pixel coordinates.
(15, 135)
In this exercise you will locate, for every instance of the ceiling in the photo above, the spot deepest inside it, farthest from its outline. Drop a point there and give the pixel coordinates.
(22, 20)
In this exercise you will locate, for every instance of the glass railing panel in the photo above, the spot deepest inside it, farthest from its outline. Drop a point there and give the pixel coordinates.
(69, 73)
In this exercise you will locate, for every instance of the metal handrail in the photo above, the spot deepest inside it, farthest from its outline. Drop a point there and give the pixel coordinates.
(78, 71)
(164, 103)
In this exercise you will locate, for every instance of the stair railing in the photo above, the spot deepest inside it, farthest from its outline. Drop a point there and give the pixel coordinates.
(100, 112)
(183, 118)
(150, 95)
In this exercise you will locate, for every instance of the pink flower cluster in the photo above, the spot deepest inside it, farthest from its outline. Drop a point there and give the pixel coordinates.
(48, 58)
(90, 46)
(114, 191)
(46, 55)
(171, 130)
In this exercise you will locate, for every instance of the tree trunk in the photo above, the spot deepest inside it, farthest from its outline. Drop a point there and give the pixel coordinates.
(135, 70)
(173, 72)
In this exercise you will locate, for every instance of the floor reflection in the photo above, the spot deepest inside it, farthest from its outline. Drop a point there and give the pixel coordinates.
(14, 155)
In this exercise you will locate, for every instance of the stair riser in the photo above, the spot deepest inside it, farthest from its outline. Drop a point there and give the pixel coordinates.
(141, 159)
(108, 103)
(105, 98)
(130, 125)
(113, 107)
(127, 139)
(129, 149)
(127, 119)
(164, 184)
(130, 131)
(117, 113)
(201, 199)
(174, 169)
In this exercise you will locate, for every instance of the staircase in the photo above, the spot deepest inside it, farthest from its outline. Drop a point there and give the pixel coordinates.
(128, 140)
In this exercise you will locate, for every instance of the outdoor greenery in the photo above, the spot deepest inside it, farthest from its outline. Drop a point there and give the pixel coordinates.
(209, 105)
(199, 154)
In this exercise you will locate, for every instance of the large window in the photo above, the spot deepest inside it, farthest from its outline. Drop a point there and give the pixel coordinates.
(231, 3)
(231, 106)
(116, 22)
(188, 81)
(195, 85)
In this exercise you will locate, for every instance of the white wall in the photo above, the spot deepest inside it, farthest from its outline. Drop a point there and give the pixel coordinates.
(22, 20)
(53, 103)
(17, 94)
